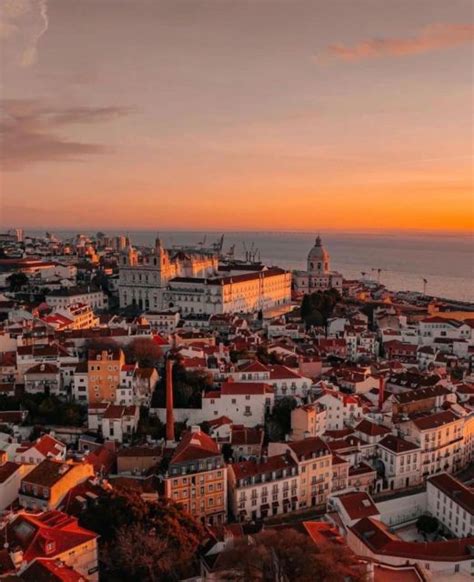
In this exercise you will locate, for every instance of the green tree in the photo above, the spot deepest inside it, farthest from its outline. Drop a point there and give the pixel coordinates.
(279, 423)
(318, 307)
(145, 351)
(17, 281)
(146, 540)
(427, 524)
(289, 555)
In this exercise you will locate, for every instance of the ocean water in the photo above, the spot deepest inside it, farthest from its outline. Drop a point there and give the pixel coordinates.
(446, 261)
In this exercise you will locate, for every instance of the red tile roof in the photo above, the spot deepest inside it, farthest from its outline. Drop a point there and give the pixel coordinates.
(371, 429)
(435, 420)
(32, 532)
(377, 537)
(247, 469)
(358, 505)
(46, 570)
(242, 388)
(455, 490)
(194, 446)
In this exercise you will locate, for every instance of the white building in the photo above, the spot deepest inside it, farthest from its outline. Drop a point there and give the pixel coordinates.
(440, 437)
(452, 503)
(284, 380)
(244, 403)
(63, 298)
(341, 409)
(401, 461)
(119, 421)
(250, 292)
(318, 276)
(143, 278)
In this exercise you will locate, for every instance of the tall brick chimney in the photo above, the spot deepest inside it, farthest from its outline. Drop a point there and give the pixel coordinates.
(381, 391)
(169, 401)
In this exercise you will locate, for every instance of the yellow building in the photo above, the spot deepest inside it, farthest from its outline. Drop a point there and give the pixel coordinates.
(197, 478)
(49, 482)
(103, 374)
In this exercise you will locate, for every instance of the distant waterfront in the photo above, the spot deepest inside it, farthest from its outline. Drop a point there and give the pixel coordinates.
(447, 262)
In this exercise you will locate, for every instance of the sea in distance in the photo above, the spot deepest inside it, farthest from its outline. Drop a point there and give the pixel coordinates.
(446, 261)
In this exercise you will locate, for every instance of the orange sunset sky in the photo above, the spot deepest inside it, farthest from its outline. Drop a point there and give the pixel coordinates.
(237, 114)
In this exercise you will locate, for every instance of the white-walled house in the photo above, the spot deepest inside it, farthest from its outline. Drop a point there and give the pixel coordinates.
(244, 403)
(452, 503)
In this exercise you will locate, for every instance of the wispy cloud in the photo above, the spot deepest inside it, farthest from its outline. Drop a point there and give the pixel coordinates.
(23, 23)
(30, 131)
(431, 38)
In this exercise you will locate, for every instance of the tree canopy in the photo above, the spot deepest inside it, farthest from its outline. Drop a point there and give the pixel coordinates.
(318, 307)
(293, 556)
(17, 281)
(151, 541)
(145, 351)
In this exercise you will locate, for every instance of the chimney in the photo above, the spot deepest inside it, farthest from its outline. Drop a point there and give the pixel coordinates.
(169, 401)
(381, 391)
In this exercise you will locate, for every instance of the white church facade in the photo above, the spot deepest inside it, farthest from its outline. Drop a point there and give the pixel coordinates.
(318, 275)
(144, 277)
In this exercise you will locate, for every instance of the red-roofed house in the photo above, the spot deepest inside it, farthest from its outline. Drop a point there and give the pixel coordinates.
(353, 506)
(197, 477)
(119, 421)
(45, 447)
(52, 535)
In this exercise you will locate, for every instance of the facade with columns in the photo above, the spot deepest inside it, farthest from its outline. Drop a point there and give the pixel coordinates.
(318, 275)
(143, 278)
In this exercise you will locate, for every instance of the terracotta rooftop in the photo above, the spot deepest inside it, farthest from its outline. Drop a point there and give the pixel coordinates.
(358, 505)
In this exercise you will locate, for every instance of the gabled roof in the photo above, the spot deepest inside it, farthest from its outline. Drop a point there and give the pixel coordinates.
(194, 446)
(46, 570)
(397, 445)
(455, 490)
(358, 504)
(255, 366)
(371, 429)
(32, 532)
(47, 473)
(309, 448)
(247, 469)
(435, 420)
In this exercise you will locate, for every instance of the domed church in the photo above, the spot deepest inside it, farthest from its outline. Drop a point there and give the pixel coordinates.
(318, 276)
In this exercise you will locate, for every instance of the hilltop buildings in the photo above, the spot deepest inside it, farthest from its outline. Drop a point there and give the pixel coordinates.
(194, 284)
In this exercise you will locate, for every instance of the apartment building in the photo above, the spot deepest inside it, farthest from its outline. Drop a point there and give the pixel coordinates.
(314, 460)
(48, 483)
(197, 477)
(103, 374)
(440, 437)
(452, 503)
(259, 489)
(401, 462)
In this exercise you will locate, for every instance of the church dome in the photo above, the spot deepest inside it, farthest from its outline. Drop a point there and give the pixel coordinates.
(318, 252)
